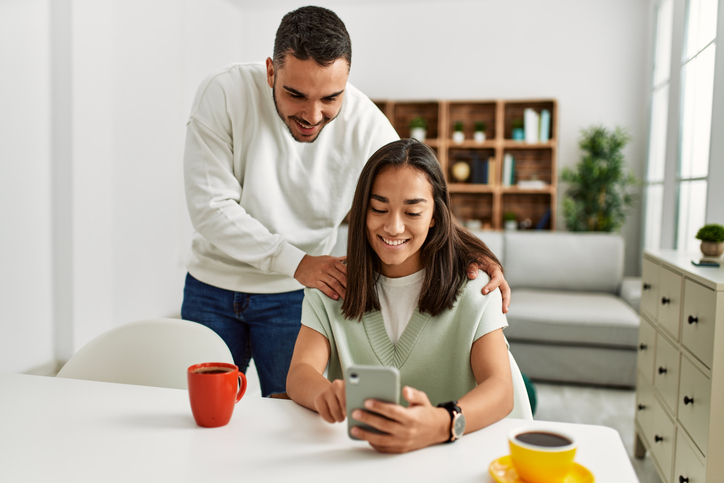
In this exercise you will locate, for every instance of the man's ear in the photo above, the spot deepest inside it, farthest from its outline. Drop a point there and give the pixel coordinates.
(270, 72)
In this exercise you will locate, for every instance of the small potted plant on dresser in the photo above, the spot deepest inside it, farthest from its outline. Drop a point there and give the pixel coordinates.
(418, 128)
(510, 221)
(479, 134)
(458, 134)
(712, 240)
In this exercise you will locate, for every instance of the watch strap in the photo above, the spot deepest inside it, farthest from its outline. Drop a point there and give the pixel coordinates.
(453, 409)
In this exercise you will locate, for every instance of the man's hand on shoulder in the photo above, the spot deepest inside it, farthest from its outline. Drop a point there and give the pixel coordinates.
(328, 274)
(497, 280)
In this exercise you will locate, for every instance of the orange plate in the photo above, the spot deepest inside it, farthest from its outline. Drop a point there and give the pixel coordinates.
(502, 471)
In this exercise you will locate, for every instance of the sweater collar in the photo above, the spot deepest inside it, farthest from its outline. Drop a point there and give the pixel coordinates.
(387, 353)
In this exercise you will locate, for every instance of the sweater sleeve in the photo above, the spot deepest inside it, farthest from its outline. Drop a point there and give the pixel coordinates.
(314, 315)
(213, 193)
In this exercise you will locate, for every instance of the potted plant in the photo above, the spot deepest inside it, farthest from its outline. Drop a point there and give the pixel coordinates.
(509, 221)
(418, 128)
(458, 134)
(479, 133)
(712, 240)
(597, 196)
(518, 133)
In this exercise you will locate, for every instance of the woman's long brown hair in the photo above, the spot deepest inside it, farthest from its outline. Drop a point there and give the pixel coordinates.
(446, 254)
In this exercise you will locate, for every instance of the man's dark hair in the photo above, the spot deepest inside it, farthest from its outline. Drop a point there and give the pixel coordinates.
(312, 33)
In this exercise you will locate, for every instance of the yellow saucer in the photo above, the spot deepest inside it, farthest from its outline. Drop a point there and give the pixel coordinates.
(502, 471)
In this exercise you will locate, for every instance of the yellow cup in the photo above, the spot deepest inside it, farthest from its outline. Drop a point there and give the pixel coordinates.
(542, 455)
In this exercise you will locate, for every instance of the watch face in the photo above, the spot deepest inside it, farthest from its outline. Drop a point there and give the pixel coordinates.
(459, 425)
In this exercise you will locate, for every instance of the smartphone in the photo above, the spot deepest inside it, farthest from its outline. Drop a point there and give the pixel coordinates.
(369, 382)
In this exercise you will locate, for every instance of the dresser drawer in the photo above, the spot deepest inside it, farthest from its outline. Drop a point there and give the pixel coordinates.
(666, 371)
(695, 403)
(688, 465)
(670, 285)
(697, 326)
(647, 350)
(662, 442)
(645, 408)
(650, 289)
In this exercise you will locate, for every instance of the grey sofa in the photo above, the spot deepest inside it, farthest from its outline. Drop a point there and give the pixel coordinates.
(573, 316)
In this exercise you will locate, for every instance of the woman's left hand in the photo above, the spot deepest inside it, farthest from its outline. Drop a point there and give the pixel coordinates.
(496, 280)
(417, 426)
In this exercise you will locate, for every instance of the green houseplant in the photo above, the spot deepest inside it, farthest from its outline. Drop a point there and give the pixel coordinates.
(597, 196)
(712, 239)
(517, 127)
(418, 128)
(479, 131)
(458, 134)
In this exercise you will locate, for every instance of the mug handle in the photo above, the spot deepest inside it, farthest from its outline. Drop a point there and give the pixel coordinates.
(242, 386)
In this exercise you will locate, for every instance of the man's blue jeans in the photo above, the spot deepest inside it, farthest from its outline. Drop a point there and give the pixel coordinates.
(262, 326)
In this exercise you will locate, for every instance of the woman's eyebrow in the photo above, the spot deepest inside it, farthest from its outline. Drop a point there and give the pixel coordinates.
(413, 201)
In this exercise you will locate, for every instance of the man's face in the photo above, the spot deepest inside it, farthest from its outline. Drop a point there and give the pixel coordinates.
(307, 96)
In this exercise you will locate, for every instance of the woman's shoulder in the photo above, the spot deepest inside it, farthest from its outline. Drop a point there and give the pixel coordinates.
(472, 291)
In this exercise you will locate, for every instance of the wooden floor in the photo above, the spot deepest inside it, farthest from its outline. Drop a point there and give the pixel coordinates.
(614, 408)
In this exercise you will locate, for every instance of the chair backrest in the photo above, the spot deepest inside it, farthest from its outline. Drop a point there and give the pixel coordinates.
(153, 352)
(521, 403)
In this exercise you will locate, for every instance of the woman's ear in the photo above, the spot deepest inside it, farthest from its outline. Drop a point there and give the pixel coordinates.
(432, 222)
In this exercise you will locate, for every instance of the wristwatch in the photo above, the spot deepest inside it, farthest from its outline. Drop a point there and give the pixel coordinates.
(457, 420)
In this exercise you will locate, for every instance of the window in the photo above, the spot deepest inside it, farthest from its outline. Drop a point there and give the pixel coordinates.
(697, 81)
(654, 180)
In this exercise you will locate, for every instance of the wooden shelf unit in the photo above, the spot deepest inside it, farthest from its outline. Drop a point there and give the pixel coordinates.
(489, 201)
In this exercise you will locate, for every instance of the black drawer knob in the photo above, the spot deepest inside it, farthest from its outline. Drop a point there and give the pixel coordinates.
(662, 370)
(693, 320)
(683, 479)
(647, 286)
(642, 407)
(643, 347)
(658, 439)
(665, 300)
(688, 400)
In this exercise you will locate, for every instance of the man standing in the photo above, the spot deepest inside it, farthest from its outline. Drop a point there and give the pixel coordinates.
(272, 157)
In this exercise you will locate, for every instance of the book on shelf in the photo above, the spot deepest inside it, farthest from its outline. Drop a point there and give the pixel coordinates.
(491, 170)
(545, 126)
(480, 170)
(531, 122)
(508, 169)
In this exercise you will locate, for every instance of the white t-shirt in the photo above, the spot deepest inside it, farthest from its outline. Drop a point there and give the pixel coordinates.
(399, 298)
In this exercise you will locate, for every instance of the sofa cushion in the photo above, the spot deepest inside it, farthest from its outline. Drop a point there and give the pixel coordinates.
(587, 262)
(598, 319)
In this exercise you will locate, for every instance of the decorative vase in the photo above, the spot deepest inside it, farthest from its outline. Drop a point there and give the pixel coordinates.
(712, 249)
(458, 137)
(479, 136)
(418, 133)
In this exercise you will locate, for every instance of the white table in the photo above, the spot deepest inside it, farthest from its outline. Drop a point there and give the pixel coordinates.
(59, 430)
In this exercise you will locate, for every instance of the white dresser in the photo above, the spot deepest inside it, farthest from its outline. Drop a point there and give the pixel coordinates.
(680, 380)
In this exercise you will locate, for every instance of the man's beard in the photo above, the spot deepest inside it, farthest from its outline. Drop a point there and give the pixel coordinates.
(325, 120)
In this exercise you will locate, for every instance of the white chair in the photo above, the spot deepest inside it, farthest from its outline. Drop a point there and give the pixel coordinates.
(153, 352)
(521, 403)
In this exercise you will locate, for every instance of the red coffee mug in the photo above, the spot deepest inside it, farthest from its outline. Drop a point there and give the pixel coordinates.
(214, 389)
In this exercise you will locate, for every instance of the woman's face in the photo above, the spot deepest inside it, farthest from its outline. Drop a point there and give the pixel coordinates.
(399, 216)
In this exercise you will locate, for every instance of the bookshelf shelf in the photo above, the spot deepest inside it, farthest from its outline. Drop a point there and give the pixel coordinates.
(484, 197)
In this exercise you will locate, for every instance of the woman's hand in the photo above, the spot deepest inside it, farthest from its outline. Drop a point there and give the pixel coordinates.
(417, 426)
(496, 280)
(331, 403)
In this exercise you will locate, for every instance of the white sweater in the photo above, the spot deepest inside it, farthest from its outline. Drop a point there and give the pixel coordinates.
(258, 199)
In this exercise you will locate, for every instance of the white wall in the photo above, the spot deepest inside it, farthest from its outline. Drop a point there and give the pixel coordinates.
(590, 55)
(93, 208)
(26, 323)
(95, 95)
